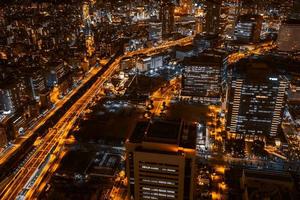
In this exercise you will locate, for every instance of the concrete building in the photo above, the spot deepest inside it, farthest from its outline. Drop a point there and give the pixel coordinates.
(157, 61)
(127, 63)
(147, 63)
(161, 160)
(167, 17)
(35, 81)
(155, 31)
(248, 28)
(202, 78)
(256, 99)
(184, 52)
(57, 72)
(206, 41)
(12, 95)
(212, 17)
(143, 64)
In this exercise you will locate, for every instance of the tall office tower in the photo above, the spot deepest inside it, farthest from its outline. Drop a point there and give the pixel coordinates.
(12, 95)
(198, 25)
(155, 31)
(3, 136)
(161, 160)
(35, 80)
(248, 28)
(212, 17)
(166, 16)
(203, 42)
(230, 11)
(201, 79)
(256, 100)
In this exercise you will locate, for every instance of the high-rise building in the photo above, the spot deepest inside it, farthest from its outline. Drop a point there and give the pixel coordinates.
(230, 11)
(202, 76)
(155, 31)
(57, 73)
(167, 17)
(256, 99)
(161, 159)
(12, 95)
(248, 28)
(35, 80)
(206, 41)
(212, 17)
(295, 13)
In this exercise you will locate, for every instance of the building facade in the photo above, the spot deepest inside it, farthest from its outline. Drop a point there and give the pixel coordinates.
(248, 28)
(212, 17)
(202, 77)
(256, 100)
(160, 160)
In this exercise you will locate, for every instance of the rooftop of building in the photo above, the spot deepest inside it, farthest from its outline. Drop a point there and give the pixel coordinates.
(207, 36)
(249, 17)
(204, 59)
(257, 69)
(176, 132)
(160, 131)
(186, 48)
(215, 52)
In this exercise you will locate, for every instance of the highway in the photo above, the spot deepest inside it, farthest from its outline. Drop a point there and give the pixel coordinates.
(26, 181)
(163, 94)
(50, 142)
(5, 156)
(261, 48)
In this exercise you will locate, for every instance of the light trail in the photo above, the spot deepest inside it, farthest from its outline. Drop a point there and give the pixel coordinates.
(26, 183)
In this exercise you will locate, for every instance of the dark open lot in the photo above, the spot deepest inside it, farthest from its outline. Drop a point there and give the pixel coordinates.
(109, 122)
(188, 112)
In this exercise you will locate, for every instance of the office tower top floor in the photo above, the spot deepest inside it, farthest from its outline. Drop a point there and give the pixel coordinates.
(161, 159)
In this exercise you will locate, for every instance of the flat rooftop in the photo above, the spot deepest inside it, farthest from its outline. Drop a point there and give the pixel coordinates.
(204, 60)
(163, 131)
(175, 132)
(186, 48)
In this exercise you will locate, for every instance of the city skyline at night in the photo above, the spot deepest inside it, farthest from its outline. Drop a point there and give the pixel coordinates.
(150, 99)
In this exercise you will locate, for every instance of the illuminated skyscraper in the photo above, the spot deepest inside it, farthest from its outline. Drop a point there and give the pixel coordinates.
(201, 78)
(212, 17)
(248, 28)
(155, 31)
(167, 17)
(256, 100)
(161, 159)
